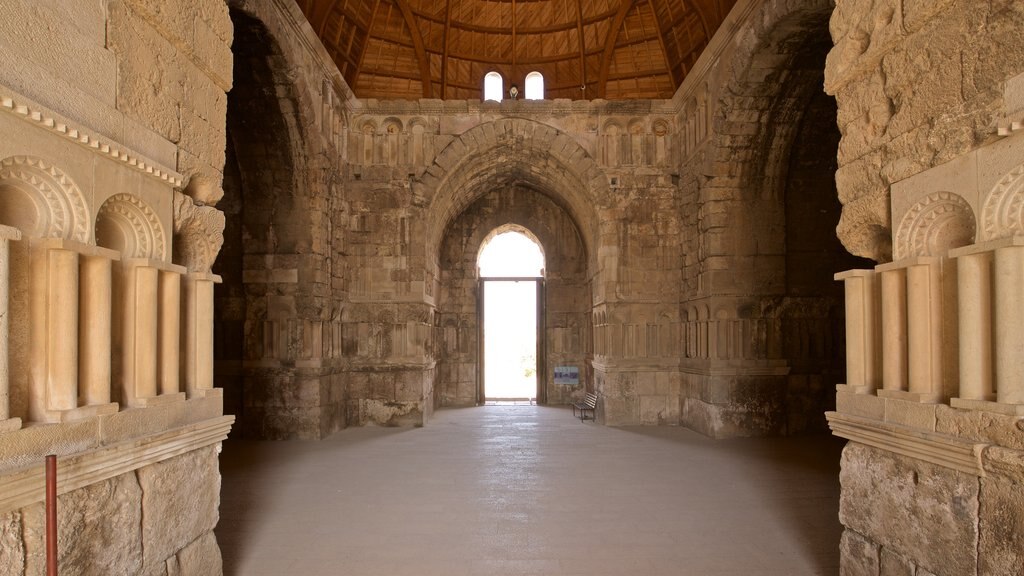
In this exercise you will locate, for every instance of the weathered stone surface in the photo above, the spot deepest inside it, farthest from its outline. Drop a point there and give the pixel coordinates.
(980, 426)
(1001, 546)
(98, 530)
(200, 558)
(12, 546)
(180, 498)
(857, 555)
(893, 564)
(925, 513)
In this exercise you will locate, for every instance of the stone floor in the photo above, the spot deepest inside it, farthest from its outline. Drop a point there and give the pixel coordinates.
(508, 490)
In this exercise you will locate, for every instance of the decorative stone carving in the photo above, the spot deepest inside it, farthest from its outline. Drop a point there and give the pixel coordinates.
(127, 224)
(50, 204)
(1002, 212)
(198, 234)
(204, 190)
(936, 224)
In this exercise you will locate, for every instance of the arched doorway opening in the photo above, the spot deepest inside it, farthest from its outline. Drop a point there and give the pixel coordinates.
(511, 272)
(562, 309)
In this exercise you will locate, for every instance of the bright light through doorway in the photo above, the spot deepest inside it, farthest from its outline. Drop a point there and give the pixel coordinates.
(510, 316)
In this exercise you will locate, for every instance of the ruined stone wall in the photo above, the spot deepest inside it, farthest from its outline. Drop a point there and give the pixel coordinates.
(280, 356)
(566, 290)
(113, 122)
(930, 97)
(158, 519)
(761, 318)
(417, 171)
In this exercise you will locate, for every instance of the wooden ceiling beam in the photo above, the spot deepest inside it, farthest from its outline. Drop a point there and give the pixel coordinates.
(583, 49)
(609, 44)
(417, 41)
(362, 53)
(326, 13)
(695, 4)
(526, 30)
(444, 43)
(661, 42)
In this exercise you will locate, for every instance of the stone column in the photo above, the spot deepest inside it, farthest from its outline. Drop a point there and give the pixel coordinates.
(53, 349)
(146, 327)
(894, 329)
(95, 334)
(974, 302)
(1009, 324)
(7, 423)
(863, 345)
(197, 333)
(924, 328)
(170, 331)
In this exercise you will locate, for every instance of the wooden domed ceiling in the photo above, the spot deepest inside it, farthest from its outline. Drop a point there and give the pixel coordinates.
(586, 49)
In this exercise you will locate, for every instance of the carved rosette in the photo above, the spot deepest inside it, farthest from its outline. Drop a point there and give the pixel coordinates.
(61, 210)
(1002, 213)
(198, 234)
(138, 224)
(934, 225)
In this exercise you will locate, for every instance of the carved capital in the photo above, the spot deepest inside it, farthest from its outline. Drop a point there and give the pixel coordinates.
(198, 234)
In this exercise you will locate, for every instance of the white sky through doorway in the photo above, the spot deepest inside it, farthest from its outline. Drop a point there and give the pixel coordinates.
(510, 316)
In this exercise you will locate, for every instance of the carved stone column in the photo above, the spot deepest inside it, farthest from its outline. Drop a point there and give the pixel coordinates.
(199, 234)
(6, 422)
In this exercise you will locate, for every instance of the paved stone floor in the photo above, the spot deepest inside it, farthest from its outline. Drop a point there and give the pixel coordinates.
(509, 490)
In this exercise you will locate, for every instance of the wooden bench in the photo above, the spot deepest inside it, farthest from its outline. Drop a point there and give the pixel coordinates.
(589, 404)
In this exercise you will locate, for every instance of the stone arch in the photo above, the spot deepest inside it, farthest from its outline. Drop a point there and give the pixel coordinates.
(934, 225)
(511, 150)
(499, 206)
(127, 224)
(279, 175)
(42, 201)
(1002, 211)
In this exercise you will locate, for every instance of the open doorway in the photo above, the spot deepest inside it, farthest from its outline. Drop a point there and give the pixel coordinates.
(511, 270)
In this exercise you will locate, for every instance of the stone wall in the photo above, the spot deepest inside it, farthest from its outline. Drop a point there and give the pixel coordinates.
(113, 122)
(929, 97)
(761, 319)
(682, 310)
(279, 333)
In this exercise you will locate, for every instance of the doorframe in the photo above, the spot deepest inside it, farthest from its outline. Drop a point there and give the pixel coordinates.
(540, 355)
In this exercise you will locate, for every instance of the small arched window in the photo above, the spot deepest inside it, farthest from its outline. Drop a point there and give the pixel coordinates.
(534, 86)
(494, 86)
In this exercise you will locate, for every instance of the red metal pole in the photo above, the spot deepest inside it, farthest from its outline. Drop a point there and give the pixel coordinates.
(51, 515)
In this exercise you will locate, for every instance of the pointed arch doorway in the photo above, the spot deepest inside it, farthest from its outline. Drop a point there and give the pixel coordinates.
(511, 309)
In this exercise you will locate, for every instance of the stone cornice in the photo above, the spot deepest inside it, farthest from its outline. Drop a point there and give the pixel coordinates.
(940, 449)
(25, 109)
(26, 486)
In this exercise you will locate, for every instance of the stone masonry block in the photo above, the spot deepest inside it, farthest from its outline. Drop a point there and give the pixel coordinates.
(201, 557)
(95, 68)
(98, 530)
(1001, 548)
(858, 556)
(925, 513)
(179, 503)
(893, 564)
(12, 546)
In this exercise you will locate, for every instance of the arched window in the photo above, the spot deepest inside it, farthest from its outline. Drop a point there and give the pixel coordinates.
(493, 86)
(534, 86)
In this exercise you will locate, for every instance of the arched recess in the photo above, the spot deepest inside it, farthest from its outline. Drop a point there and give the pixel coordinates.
(128, 225)
(41, 201)
(510, 171)
(773, 153)
(276, 205)
(564, 317)
(514, 149)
